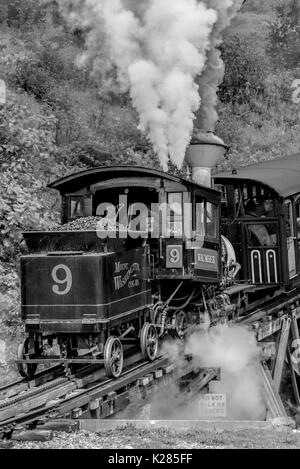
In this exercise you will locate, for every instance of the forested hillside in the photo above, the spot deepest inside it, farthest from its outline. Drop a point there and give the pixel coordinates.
(61, 116)
(261, 50)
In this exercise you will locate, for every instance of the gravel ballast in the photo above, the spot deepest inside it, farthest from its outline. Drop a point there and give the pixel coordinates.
(132, 438)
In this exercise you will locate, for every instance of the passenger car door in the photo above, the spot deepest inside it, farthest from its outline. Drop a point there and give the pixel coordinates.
(291, 239)
(297, 230)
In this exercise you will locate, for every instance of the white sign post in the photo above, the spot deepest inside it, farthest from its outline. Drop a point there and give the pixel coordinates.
(2, 92)
(2, 352)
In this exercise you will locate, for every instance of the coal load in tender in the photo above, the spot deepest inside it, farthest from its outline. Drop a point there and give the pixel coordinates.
(89, 224)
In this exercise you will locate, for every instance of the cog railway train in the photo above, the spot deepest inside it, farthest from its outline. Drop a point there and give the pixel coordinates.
(217, 253)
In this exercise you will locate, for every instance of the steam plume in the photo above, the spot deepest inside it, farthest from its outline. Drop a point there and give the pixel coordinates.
(235, 351)
(159, 48)
(213, 73)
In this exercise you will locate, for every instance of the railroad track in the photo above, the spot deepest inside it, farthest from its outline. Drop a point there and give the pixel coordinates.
(16, 387)
(90, 393)
(48, 375)
(63, 395)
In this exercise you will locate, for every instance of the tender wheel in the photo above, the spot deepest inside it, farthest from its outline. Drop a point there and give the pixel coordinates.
(149, 341)
(27, 371)
(113, 357)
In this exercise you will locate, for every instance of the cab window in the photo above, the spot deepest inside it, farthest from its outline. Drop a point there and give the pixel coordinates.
(211, 220)
(206, 214)
(80, 206)
(224, 199)
(175, 213)
(200, 216)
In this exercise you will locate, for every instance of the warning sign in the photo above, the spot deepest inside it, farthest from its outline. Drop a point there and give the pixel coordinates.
(212, 405)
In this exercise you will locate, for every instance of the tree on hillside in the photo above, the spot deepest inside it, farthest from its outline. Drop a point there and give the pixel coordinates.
(244, 73)
(20, 13)
(259, 6)
(284, 36)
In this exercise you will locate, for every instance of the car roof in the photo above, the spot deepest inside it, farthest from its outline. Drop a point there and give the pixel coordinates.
(281, 175)
(103, 173)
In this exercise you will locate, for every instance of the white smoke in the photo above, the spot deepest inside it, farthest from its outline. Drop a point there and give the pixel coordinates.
(159, 48)
(232, 349)
(235, 351)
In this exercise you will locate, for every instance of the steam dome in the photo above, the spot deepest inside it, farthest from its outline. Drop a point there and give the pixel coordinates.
(203, 154)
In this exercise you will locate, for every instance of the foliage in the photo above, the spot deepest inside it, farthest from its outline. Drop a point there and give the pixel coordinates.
(19, 13)
(245, 73)
(26, 161)
(257, 117)
(9, 299)
(259, 7)
(284, 35)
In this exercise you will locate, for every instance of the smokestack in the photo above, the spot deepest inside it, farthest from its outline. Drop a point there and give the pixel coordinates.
(203, 154)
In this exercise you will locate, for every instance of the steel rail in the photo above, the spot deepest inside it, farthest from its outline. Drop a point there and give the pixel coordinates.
(38, 376)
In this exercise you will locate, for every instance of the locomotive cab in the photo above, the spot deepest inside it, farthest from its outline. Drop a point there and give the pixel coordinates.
(177, 218)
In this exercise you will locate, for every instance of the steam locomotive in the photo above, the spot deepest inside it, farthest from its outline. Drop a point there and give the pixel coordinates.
(165, 255)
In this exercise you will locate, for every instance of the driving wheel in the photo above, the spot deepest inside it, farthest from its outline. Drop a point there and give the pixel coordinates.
(113, 357)
(149, 341)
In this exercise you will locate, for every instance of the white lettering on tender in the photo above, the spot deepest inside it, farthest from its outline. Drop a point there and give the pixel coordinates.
(121, 282)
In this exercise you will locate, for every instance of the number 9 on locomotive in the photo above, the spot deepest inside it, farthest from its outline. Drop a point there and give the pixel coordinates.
(174, 257)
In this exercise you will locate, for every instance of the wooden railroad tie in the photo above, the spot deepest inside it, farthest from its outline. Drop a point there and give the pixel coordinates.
(111, 399)
(60, 425)
(76, 413)
(32, 435)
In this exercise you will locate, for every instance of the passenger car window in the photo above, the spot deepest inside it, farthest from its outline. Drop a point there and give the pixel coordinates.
(298, 217)
(262, 234)
(289, 219)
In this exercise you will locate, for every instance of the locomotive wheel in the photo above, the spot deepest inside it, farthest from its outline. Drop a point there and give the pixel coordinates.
(27, 371)
(149, 341)
(113, 357)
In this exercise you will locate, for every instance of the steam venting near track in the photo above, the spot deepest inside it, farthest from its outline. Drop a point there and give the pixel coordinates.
(235, 351)
(165, 53)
